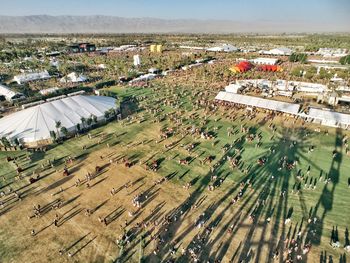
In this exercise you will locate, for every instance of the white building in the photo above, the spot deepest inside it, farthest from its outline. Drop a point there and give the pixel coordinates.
(10, 95)
(264, 61)
(282, 51)
(26, 77)
(223, 48)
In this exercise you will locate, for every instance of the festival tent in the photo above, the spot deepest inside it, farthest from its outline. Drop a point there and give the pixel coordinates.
(145, 77)
(23, 78)
(329, 118)
(233, 88)
(73, 78)
(35, 123)
(9, 94)
(241, 67)
(49, 91)
(273, 68)
(274, 105)
(223, 48)
(282, 51)
(264, 61)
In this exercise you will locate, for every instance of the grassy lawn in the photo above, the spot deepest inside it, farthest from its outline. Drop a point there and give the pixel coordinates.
(136, 139)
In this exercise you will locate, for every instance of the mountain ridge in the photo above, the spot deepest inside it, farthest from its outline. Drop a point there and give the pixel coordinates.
(116, 24)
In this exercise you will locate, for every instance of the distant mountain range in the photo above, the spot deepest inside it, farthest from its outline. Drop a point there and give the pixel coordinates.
(113, 24)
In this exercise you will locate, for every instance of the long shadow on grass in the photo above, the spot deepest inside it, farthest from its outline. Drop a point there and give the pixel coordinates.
(327, 197)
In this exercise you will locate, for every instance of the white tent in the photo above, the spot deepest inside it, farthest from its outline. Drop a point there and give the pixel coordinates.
(264, 61)
(48, 90)
(259, 102)
(23, 78)
(144, 77)
(34, 124)
(329, 118)
(233, 88)
(73, 78)
(101, 66)
(282, 51)
(10, 95)
(223, 48)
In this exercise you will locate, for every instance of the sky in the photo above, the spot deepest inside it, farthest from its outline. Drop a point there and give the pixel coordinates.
(335, 12)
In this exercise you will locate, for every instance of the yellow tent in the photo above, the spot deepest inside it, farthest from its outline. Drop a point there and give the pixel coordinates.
(159, 48)
(153, 48)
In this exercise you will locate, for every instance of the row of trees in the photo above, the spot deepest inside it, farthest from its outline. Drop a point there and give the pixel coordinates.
(86, 124)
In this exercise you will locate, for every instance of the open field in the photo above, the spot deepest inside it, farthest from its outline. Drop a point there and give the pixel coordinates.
(170, 218)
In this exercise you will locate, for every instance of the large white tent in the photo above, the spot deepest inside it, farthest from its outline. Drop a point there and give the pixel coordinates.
(329, 118)
(290, 108)
(281, 51)
(223, 48)
(34, 124)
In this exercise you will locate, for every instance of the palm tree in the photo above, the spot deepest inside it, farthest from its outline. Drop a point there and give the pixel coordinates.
(53, 135)
(64, 131)
(58, 125)
(107, 115)
(89, 121)
(94, 119)
(78, 127)
(112, 112)
(83, 121)
(118, 105)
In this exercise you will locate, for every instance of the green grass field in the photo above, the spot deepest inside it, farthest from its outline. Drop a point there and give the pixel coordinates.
(327, 202)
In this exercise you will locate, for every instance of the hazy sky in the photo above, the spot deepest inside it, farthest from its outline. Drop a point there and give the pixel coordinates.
(335, 12)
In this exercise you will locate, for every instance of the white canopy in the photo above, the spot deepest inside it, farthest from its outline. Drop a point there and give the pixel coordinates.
(329, 118)
(267, 61)
(35, 123)
(23, 78)
(73, 78)
(223, 48)
(48, 90)
(277, 51)
(144, 77)
(259, 102)
(233, 88)
(10, 95)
